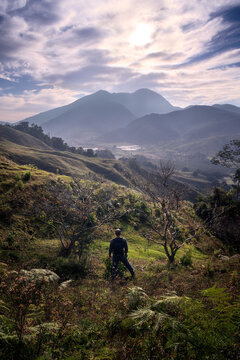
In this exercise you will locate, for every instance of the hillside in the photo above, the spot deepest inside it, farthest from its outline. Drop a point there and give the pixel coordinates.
(144, 101)
(91, 117)
(71, 164)
(70, 308)
(19, 138)
(26, 149)
(194, 123)
(228, 107)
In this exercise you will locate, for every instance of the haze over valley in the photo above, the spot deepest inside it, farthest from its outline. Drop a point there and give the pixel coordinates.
(145, 123)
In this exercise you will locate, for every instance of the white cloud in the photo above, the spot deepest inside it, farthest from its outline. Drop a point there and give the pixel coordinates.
(96, 37)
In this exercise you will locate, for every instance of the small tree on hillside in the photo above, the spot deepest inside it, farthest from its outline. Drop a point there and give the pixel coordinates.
(75, 211)
(169, 224)
(229, 157)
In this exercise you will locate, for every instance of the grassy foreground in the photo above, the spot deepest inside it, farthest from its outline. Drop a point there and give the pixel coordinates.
(190, 311)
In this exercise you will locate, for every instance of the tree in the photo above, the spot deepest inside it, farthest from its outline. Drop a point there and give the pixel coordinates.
(75, 211)
(166, 226)
(229, 157)
(165, 170)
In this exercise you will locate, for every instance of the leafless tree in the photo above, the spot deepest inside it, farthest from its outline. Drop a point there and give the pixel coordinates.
(75, 211)
(174, 225)
(165, 170)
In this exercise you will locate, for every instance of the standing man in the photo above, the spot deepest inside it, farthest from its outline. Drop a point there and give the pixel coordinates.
(119, 248)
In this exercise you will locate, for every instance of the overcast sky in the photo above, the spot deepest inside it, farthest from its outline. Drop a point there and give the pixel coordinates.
(55, 51)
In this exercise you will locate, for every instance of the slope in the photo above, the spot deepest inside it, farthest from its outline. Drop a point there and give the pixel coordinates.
(228, 107)
(197, 122)
(25, 149)
(91, 117)
(100, 112)
(19, 138)
(144, 101)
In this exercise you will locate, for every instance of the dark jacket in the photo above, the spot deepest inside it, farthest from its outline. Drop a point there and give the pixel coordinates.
(118, 247)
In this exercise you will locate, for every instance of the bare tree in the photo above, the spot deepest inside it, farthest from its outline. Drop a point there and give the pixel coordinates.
(170, 223)
(165, 170)
(75, 211)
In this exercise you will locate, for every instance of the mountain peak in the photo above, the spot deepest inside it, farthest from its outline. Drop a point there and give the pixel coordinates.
(145, 91)
(101, 92)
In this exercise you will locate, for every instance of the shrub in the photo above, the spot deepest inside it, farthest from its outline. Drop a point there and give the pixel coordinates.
(108, 269)
(27, 176)
(191, 329)
(136, 297)
(186, 259)
(69, 268)
(19, 185)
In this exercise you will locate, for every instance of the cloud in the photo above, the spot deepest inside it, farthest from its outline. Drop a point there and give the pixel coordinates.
(37, 12)
(77, 47)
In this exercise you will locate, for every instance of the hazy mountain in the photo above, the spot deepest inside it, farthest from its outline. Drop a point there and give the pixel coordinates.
(143, 102)
(196, 122)
(228, 107)
(100, 112)
(91, 116)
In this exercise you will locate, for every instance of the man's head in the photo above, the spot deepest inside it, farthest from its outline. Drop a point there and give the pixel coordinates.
(118, 232)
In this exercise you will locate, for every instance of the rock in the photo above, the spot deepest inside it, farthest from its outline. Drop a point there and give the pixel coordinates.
(195, 272)
(224, 258)
(235, 259)
(38, 275)
(65, 284)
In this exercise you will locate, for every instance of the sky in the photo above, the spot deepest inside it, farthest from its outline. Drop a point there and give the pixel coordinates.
(53, 52)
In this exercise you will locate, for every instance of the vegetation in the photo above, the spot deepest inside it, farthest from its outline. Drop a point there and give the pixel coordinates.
(56, 297)
(55, 142)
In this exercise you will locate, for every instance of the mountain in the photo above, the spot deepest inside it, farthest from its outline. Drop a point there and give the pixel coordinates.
(194, 123)
(91, 116)
(143, 102)
(228, 107)
(95, 114)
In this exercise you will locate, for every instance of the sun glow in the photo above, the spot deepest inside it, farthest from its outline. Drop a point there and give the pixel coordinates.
(141, 35)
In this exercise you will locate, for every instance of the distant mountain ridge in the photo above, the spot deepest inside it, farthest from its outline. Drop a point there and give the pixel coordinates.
(194, 123)
(100, 112)
(228, 107)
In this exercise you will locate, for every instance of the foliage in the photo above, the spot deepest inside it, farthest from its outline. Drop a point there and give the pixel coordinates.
(136, 297)
(191, 329)
(70, 267)
(164, 218)
(221, 212)
(55, 142)
(186, 259)
(75, 212)
(26, 176)
(229, 157)
(19, 185)
(108, 269)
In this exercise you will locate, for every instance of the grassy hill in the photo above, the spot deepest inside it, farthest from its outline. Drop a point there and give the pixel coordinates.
(25, 149)
(92, 318)
(8, 134)
(189, 310)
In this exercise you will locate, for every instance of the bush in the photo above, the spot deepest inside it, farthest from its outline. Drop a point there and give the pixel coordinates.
(19, 185)
(108, 269)
(136, 297)
(27, 176)
(191, 329)
(186, 259)
(69, 268)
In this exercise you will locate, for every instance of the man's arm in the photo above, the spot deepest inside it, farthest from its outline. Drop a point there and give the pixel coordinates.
(125, 247)
(110, 249)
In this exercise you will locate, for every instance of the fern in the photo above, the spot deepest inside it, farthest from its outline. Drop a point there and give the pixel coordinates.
(136, 297)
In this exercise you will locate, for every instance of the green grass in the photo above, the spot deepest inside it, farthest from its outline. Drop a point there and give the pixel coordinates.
(67, 163)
